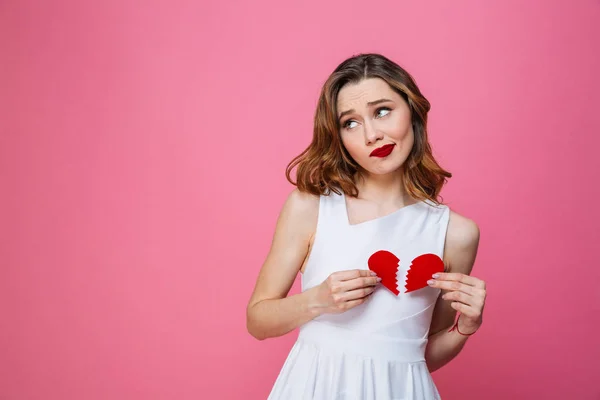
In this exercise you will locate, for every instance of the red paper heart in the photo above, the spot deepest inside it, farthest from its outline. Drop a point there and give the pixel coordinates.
(385, 265)
(421, 270)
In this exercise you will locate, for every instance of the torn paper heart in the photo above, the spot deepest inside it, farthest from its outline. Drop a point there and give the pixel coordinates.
(421, 270)
(385, 265)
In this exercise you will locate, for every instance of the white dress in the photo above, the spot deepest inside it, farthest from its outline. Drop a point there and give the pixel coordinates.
(375, 350)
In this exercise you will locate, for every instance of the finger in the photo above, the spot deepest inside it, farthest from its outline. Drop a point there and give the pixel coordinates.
(353, 303)
(460, 297)
(357, 293)
(360, 283)
(463, 278)
(466, 310)
(353, 274)
(452, 285)
(476, 301)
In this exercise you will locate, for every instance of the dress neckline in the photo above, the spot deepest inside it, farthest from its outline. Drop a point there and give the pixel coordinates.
(369, 221)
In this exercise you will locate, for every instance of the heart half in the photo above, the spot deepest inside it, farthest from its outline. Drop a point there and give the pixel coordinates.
(421, 270)
(385, 265)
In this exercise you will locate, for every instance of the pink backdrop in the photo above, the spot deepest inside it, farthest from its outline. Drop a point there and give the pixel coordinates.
(142, 156)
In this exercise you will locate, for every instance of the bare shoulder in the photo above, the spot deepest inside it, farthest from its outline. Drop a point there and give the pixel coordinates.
(299, 215)
(462, 242)
(302, 208)
(302, 203)
(462, 231)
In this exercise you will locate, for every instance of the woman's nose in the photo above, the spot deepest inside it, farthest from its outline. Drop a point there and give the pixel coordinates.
(371, 133)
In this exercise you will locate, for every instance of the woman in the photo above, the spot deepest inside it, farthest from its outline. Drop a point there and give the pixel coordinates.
(366, 200)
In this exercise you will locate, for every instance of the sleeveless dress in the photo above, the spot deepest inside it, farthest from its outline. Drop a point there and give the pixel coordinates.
(375, 350)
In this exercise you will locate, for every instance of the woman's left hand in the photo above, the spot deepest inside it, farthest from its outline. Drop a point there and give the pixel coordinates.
(467, 294)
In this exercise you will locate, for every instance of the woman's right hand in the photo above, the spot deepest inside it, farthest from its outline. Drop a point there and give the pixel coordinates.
(344, 290)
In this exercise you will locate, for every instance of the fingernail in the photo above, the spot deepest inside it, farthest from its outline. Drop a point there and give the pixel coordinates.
(435, 276)
(430, 282)
(373, 273)
(378, 279)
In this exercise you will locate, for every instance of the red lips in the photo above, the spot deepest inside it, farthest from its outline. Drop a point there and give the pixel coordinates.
(382, 151)
(385, 265)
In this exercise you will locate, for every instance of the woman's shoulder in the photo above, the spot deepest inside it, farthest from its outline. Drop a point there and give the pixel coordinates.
(302, 203)
(462, 241)
(461, 227)
(301, 210)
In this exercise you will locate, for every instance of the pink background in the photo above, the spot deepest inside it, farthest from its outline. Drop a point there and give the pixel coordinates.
(142, 157)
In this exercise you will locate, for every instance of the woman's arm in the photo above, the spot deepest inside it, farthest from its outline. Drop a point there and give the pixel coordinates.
(270, 313)
(462, 241)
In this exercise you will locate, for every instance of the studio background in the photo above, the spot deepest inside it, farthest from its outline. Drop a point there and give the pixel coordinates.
(142, 155)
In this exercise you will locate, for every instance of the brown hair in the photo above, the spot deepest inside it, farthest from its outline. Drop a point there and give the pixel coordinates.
(325, 165)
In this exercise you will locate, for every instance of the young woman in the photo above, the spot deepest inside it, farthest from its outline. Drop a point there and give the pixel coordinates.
(367, 189)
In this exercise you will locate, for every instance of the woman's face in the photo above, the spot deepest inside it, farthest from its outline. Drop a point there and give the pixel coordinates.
(366, 127)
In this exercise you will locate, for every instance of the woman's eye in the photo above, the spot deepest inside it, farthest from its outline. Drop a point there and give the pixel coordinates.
(387, 110)
(347, 123)
(383, 109)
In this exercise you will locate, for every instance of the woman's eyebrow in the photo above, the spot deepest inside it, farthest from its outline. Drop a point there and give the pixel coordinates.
(369, 104)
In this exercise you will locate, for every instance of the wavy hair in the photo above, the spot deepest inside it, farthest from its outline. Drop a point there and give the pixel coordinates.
(325, 165)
